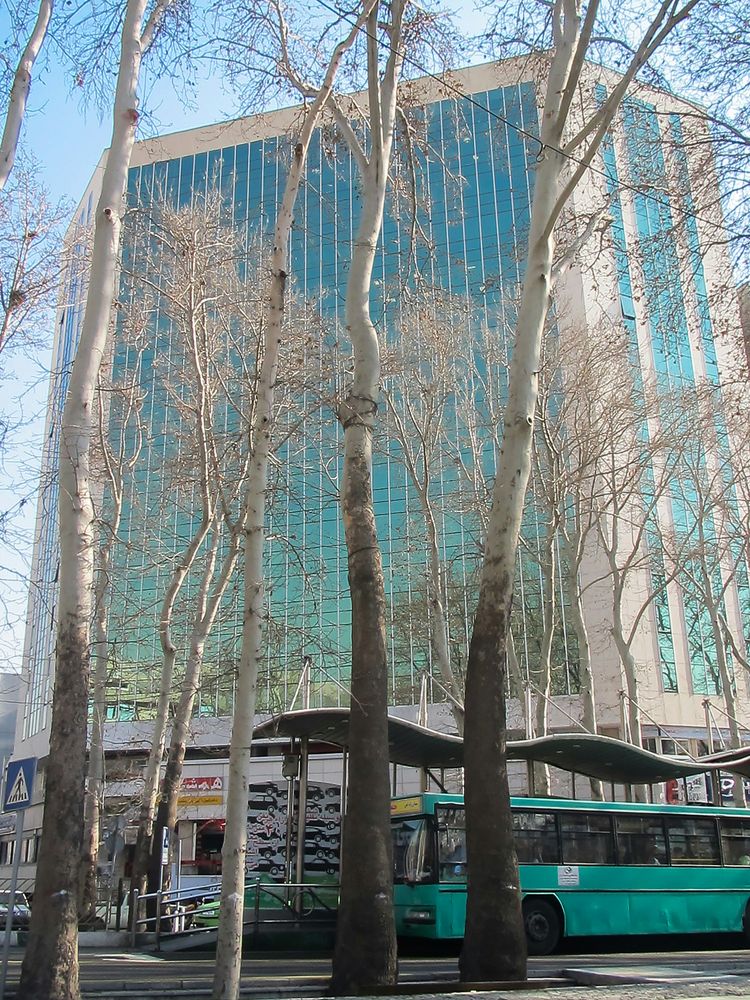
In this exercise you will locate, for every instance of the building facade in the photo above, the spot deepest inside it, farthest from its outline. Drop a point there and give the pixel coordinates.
(448, 271)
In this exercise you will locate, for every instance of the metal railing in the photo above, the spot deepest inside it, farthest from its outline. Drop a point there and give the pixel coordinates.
(169, 910)
(267, 904)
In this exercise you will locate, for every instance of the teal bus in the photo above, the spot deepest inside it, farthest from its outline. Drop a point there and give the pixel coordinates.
(587, 868)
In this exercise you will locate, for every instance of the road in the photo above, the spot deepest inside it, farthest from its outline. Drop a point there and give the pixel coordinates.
(105, 973)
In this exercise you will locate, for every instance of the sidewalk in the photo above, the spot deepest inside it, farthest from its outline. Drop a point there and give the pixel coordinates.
(140, 976)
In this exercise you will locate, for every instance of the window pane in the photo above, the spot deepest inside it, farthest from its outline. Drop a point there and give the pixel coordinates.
(535, 837)
(735, 841)
(693, 841)
(587, 839)
(640, 840)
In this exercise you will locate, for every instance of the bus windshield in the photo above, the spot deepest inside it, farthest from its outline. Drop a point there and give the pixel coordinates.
(412, 851)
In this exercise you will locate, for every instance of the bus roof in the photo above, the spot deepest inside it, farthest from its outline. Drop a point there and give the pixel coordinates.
(425, 802)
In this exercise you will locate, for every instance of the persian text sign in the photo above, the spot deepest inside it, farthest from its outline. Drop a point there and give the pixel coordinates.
(201, 790)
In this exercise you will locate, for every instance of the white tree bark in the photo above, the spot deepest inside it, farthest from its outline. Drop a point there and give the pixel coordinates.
(572, 549)
(365, 950)
(713, 607)
(115, 468)
(19, 93)
(439, 618)
(493, 944)
(542, 783)
(50, 967)
(207, 603)
(152, 772)
(198, 350)
(418, 443)
(231, 911)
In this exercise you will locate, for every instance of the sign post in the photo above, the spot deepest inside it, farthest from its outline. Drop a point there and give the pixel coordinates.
(164, 856)
(19, 783)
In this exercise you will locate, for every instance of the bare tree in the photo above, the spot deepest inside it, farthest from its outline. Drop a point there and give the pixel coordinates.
(365, 951)
(633, 481)
(706, 541)
(50, 966)
(214, 317)
(229, 945)
(30, 264)
(116, 461)
(494, 944)
(587, 426)
(30, 267)
(19, 91)
(546, 489)
(419, 398)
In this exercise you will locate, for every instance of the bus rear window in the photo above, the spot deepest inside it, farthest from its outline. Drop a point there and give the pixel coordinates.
(693, 841)
(535, 837)
(735, 841)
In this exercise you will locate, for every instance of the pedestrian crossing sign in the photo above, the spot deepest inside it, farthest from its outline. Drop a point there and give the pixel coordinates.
(19, 784)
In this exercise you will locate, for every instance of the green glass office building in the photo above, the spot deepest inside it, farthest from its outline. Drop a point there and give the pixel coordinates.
(475, 175)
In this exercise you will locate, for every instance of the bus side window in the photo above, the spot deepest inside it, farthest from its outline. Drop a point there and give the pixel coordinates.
(587, 839)
(640, 840)
(535, 838)
(693, 840)
(735, 841)
(452, 853)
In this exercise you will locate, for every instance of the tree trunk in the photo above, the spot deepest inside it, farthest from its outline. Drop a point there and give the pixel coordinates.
(95, 787)
(207, 609)
(727, 683)
(439, 622)
(365, 950)
(542, 783)
(630, 673)
(227, 971)
(19, 92)
(94, 801)
(152, 774)
(145, 846)
(50, 966)
(494, 943)
(586, 675)
(226, 983)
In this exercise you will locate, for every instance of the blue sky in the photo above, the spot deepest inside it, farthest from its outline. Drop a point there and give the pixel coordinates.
(67, 140)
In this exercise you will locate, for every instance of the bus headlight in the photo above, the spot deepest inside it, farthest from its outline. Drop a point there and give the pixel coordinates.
(420, 915)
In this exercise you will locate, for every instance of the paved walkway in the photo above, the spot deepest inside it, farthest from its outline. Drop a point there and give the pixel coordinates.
(139, 976)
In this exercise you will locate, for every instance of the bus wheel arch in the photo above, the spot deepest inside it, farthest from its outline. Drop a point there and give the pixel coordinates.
(746, 924)
(543, 923)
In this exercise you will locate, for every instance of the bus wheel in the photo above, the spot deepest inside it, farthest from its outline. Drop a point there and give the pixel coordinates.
(746, 924)
(542, 925)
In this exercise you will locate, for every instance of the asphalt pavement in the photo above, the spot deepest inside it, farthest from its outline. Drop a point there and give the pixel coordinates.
(674, 975)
